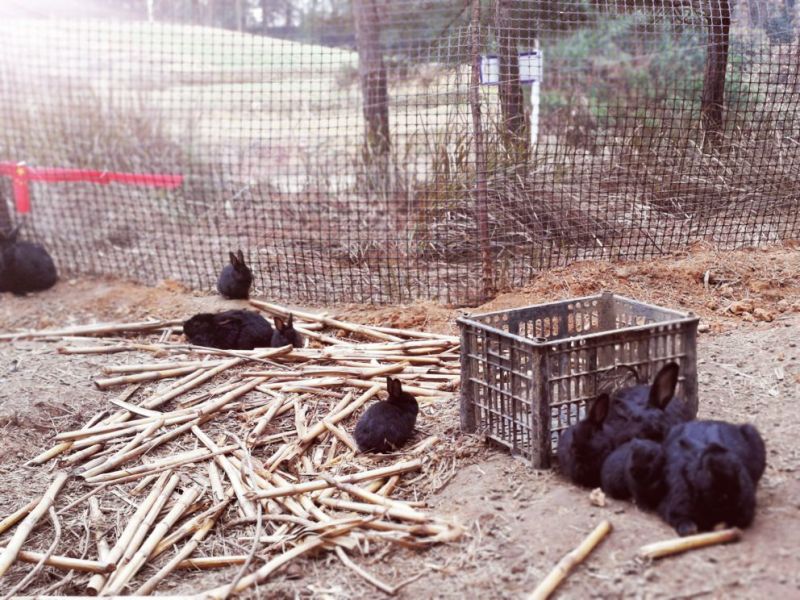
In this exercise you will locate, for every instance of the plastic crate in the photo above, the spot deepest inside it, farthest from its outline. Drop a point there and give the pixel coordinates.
(527, 373)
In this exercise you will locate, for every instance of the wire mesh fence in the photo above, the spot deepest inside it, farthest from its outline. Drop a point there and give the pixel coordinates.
(384, 151)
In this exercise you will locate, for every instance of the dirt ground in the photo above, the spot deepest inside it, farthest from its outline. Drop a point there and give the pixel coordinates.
(519, 521)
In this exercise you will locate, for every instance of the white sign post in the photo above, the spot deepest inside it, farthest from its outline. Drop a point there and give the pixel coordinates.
(530, 73)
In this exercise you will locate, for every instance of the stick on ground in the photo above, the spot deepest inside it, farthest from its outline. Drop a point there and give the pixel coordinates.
(9, 554)
(691, 542)
(569, 562)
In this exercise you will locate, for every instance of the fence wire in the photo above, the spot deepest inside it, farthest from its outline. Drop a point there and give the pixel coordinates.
(384, 151)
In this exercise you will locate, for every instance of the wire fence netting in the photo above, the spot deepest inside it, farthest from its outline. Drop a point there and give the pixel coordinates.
(390, 150)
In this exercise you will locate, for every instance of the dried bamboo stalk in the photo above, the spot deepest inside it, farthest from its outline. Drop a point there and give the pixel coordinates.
(9, 554)
(341, 414)
(135, 522)
(319, 484)
(122, 576)
(364, 574)
(215, 480)
(210, 374)
(690, 542)
(418, 391)
(97, 582)
(120, 457)
(402, 514)
(424, 335)
(167, 467)
(233, 475)
(389, 486)
(377, 499)
(102, 328)
(51, 453)
(265, 419)
(166, 461)
(263, 573)
(351, 327)
(65, 563)
(108, 382)
(139, 368)
(18, 515)
(342, 435)
(212, 562)
(134, 409)
(569, 562)
(194, 524)
(130, 541)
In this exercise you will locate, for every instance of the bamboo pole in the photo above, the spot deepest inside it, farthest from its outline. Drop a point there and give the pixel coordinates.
(569, 562)
(122, 576)
(233, 475)
(402, 514)
(97, 582)
(120, 457)
(212, 562)
(320, 484)
(343, 436)
(132, 537)
(691, 542)
(351, 327)
(341, 413)
(82, 330)
(65, 563)
(108, 382)
(18, 515)
(193, 525)
(9, 554)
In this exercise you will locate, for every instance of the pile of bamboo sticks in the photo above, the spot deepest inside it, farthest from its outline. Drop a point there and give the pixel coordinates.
(230, 443)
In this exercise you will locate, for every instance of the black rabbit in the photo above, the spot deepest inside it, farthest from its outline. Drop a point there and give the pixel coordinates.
(285, 333)
(583, 447)
(636, 469)
(641, 411)
(235, 279)
(24, 266)
(711, 473)
(229, 330)
(387, 425)
(647, 411)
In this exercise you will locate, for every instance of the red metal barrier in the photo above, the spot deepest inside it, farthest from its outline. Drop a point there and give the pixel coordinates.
(21, 176)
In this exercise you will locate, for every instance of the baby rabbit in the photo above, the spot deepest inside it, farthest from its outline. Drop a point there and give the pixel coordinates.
(640, 411)
(24, 266)
(387, 425)
(229, 330)
(285, 333)
(711, 473)
(647, 411)
(583, 447)
(235, 279)
(636, 469)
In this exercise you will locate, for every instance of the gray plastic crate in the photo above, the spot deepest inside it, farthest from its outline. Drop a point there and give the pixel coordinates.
(527, 373)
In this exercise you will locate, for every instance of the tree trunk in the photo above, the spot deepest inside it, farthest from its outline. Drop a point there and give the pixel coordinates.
(372, 74)
(514, 130)
(481, 168)
(712, 104)
(239, 15)
(264, 16)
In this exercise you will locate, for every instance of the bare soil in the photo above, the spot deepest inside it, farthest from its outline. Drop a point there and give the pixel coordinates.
(519, 521)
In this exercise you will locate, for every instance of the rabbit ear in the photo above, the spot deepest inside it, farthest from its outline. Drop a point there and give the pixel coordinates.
(663, 388)
(279, 324)
(241, 256)
(234, 258)
(390, 386)
(599, 410)
(290, 321)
